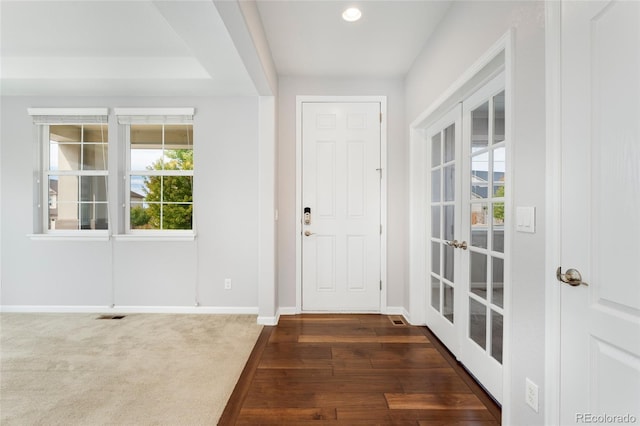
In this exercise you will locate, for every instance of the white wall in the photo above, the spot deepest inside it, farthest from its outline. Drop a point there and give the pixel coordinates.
(289, 88)
(468, 30)
(140, 273)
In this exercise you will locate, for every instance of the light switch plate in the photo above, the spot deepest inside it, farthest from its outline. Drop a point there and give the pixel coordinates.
(526, 219)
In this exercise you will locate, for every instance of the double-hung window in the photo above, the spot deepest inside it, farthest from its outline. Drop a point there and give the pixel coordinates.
(72, 178)
(159, 176)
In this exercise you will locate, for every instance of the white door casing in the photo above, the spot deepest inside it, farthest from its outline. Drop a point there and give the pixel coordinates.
(341, 191)
(600, 201)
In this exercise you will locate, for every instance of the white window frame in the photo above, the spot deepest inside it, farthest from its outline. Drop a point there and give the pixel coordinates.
(165, 116)
(43, 118)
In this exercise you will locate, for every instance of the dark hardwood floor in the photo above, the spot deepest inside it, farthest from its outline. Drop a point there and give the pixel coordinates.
(355, 370)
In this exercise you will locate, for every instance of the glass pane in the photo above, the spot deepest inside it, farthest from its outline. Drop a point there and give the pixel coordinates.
(435, 221)
(93, 188)
(496, 336)
(138, 188)
(498, 117)
(447, 302)
(65, 133)
(93, 216)
(435, 185)
(449, 143)
(146, 158)
(479, 176)
(435, 293)
(449, 183)
(435, 258)
(147, 134)
(480, 127)
(436, 150)
(178, 159)
(479, 224)
(144, 216)
(177, 189)
(178, 136)
(94, 156)
(448, 262)
(449, 224)
(499, 168)
(478, 322)
(64, 156)
(498, 227)
(177, 216)
(497, 282)
(97, 133)
(478, 274)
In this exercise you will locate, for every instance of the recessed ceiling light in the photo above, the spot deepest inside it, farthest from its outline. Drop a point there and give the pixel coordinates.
(352, 14)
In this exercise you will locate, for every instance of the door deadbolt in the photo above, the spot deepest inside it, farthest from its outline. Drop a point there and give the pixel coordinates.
(307, 215)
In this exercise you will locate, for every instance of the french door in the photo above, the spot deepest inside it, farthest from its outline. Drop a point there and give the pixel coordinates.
(467, 162)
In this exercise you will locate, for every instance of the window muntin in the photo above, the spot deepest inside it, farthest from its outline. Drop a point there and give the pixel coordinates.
(75, 176)
(160, 177)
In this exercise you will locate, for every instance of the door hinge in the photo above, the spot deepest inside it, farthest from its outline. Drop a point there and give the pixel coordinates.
(380, 284)
(381, 117)
(380, 229)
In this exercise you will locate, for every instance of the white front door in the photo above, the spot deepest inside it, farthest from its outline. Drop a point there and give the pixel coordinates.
(600, 226)
(341, 223)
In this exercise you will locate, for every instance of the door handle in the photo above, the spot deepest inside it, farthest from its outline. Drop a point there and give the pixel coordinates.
(571, 277)
(308, 233)
(456, 244)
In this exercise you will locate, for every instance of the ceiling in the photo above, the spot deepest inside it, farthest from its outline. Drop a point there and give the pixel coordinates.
(182, 47)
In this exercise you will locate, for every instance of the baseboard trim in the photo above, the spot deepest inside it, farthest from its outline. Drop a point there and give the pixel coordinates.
(231, 310)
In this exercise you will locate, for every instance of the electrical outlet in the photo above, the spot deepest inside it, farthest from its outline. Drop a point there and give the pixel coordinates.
(227, 283)
(531, 395)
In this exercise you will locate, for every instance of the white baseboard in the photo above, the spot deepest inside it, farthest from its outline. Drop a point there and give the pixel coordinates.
(288, 310)
(230, 310)
(394, 310)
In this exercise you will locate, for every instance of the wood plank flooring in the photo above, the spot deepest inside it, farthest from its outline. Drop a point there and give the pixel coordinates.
(355, 370)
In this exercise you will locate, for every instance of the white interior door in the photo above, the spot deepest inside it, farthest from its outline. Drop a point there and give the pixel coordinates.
(444, 142)
(341, 225)
(600, 228)
(484, 219)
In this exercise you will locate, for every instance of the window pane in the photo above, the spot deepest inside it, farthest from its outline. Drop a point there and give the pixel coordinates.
(93, 215)
(478, 274)
(479, 225)
(177, 189)
(435, 185)
(436, 149)
(178, 136)
(64, 156)
(447, 302)
(93, 188)
(149, 135)
(94, 156)
(478, 322)
(435, 258)
(498, 282)
(66, 200)
(178, 159)
(97, 133)
(449, 143)
(480, 127)
(499, 167)
(435, 221)
(449, 224)
(498, 117)
(435, 293)
(498, 227)
(145, 159)
(138, 188)
(496, 336)
(449, 183)
(448, 262)
(141, 216)
(65, 133)
(177, 216)
(479, 176)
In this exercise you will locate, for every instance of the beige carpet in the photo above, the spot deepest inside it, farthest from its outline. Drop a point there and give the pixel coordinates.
(144, 369)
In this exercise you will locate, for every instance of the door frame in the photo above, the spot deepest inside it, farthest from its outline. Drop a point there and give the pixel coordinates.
(382, 100)
(497, 58)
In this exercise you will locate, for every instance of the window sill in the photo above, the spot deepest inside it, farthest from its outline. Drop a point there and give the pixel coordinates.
(157, 236)
(71, 236)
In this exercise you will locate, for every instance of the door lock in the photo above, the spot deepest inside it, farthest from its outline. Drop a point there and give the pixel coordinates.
(307, 216)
